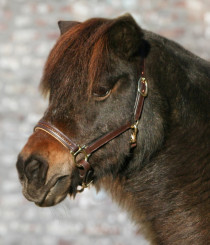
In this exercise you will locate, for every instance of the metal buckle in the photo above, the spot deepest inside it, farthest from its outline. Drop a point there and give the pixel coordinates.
(143, 91)
(84, 186)
(134, 127)
(81, 150)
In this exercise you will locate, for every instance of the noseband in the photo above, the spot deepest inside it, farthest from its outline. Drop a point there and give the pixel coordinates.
(81, 154)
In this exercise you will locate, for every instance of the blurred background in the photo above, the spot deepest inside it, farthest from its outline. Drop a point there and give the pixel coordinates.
(28, 30)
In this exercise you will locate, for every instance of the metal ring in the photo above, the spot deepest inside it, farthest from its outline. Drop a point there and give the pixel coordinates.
(81, 150)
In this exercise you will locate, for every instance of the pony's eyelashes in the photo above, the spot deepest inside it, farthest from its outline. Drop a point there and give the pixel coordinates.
(101, 93)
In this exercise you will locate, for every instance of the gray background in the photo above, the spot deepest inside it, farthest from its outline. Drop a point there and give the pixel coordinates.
(28, 30)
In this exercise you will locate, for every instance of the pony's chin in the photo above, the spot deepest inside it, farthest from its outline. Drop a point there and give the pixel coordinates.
(56, 193)
(51, 200)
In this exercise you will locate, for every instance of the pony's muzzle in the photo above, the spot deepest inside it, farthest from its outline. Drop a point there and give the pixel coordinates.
(44, 167)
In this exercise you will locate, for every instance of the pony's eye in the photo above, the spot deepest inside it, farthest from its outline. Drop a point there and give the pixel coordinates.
(101, 93)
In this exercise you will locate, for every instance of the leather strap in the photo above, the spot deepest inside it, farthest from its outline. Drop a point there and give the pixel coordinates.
(141, 94)
(83, 166)
(96, 144)
(57, 134)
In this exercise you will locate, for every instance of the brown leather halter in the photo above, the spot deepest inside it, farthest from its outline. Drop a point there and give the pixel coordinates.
(85, 169)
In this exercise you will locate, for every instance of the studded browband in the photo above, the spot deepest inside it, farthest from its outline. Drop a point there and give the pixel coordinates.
(81, 154)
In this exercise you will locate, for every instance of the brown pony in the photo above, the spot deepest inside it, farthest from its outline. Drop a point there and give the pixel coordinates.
(96, 77)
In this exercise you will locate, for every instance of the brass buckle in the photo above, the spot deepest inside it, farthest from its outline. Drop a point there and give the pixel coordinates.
(84, 186)
(143, 92)
(81, 150)
(134, 127)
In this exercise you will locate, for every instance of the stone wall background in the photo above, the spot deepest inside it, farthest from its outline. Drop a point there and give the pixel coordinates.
(28, 30)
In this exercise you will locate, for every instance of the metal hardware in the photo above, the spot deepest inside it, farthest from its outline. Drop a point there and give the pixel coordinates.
(85, 156)
(82, 151)
(134, 128)
(143, 91)
(84, 186)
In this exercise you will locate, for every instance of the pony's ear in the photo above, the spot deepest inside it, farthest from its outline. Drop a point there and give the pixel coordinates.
(66, 25)
(126, 37)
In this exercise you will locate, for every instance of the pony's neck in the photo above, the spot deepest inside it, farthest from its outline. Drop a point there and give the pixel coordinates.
(169, 140)
(181, 79)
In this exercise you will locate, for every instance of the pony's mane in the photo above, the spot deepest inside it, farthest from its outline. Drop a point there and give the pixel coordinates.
(79, 55)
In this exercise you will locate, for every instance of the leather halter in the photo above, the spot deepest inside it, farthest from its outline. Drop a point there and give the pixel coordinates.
(85, 170)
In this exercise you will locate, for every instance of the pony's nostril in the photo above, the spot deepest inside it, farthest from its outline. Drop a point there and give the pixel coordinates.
(32, 169)
(35, 169)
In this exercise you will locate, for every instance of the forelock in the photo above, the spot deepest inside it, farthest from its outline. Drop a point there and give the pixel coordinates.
(78, 57)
